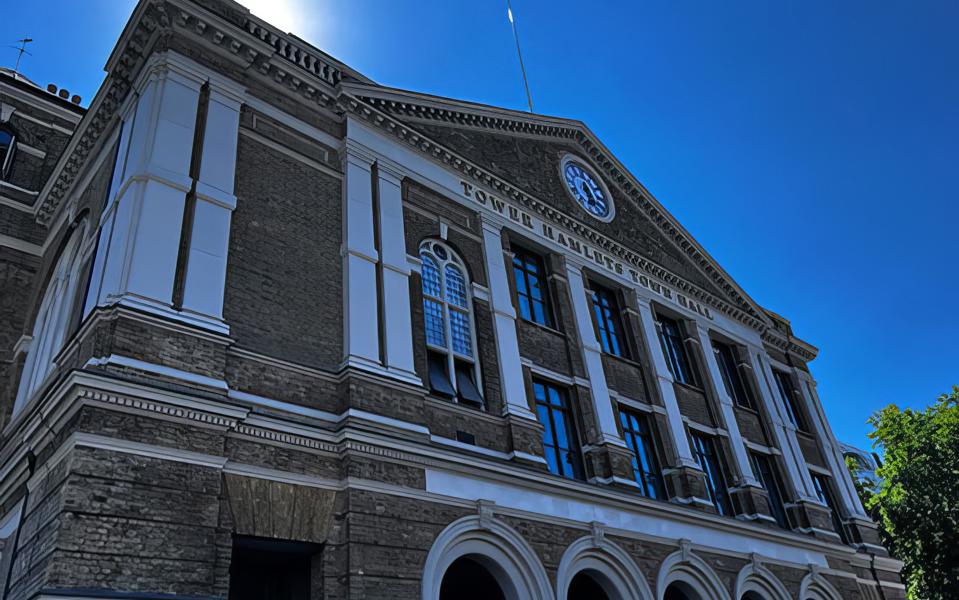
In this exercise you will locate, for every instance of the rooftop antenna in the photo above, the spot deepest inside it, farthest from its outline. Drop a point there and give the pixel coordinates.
(21, 51)
(512, 22)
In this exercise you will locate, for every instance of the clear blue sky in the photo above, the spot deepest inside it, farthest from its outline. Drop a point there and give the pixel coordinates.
(811, 147)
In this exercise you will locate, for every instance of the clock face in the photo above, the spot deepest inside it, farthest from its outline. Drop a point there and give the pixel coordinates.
(585, 189)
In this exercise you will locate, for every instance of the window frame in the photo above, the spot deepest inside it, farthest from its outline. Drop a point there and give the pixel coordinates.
(521, 273)
(612, 325)
(453, 357)
(773, 487)
(793, 411)
(51, 326)
(821, 483)
(707, 454)
(563, 407)
(736, 385)
(7, 161)
(654, 489)
(677, 354)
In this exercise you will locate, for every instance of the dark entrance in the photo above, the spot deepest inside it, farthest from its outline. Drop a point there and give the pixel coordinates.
(466, 579)
(267, 569)
(584, 587)
(680, 591)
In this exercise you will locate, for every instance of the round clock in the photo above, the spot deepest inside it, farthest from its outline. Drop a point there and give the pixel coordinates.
(586, 188)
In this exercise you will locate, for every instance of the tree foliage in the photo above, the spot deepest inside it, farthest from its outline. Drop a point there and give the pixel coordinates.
(916, 501)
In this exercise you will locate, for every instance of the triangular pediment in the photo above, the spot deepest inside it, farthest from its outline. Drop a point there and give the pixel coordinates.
(524, 151)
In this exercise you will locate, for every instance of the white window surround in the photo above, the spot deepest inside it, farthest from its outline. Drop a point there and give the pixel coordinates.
(691, 572)
(495, 545)
(815, 587)
(756, 578)
(608, 564)
(53, 318)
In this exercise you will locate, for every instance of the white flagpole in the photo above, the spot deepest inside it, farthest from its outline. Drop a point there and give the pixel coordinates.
(512, 22)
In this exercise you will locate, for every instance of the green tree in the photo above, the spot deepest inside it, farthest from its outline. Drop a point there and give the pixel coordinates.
(917, 499)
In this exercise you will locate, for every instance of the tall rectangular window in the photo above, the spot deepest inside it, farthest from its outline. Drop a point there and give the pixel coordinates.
(608, 320)
(732, 377)
(532, 288)
(559, 435)
(639, 438)
(766, 472)
(824, 491)
(707, 456)
(671, 336)
(788, 393)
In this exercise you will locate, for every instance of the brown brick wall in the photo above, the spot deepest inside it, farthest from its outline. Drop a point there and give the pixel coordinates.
(283, 284)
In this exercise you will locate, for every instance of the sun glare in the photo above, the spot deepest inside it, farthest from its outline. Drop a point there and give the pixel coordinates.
(299, 17)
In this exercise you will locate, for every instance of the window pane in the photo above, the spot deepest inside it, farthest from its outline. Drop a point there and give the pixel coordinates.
(460, 332)
(435, 323)
(559, 441)
(431, 276)
(524, 308)
(455, 287)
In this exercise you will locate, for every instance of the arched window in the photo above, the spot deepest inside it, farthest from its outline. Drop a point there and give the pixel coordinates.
(448, 320)
(8, 146)
(53, 318)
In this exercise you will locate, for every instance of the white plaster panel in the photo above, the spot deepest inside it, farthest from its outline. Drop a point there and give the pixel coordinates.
(392, 237)
(359, 208)
(219, 144)
(539, 502)
(592, 357)
(398, 323)
(715, 379)
(153, 264)
(664, 381)
(173, 142)
(361, 323)
(206, 268)
(504, 325)
(142, 130)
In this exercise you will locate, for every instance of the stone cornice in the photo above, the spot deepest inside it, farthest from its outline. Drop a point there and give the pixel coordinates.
(372, 114)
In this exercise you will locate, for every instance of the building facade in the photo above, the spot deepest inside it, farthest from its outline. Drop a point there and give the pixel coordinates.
(272, 330)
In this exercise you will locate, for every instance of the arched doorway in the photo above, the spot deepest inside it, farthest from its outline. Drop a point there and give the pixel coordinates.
(585, 587)
(680, 591)
(468, 579)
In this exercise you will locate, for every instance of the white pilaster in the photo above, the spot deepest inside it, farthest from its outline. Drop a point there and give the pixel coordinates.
(592, 358)
(784, 431)
(140, 230)
(664, 382)
(361, 335)
(831, 448)
(215, 202)
(504, 324)
(727, 409)
(397, 323)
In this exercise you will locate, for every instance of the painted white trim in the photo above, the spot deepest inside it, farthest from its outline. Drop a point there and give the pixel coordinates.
(608, 564)
(20, 245)
(756, 578)
(656, 523)
(495, 545)
(142, 365)
(686, 568)
(815, 587)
